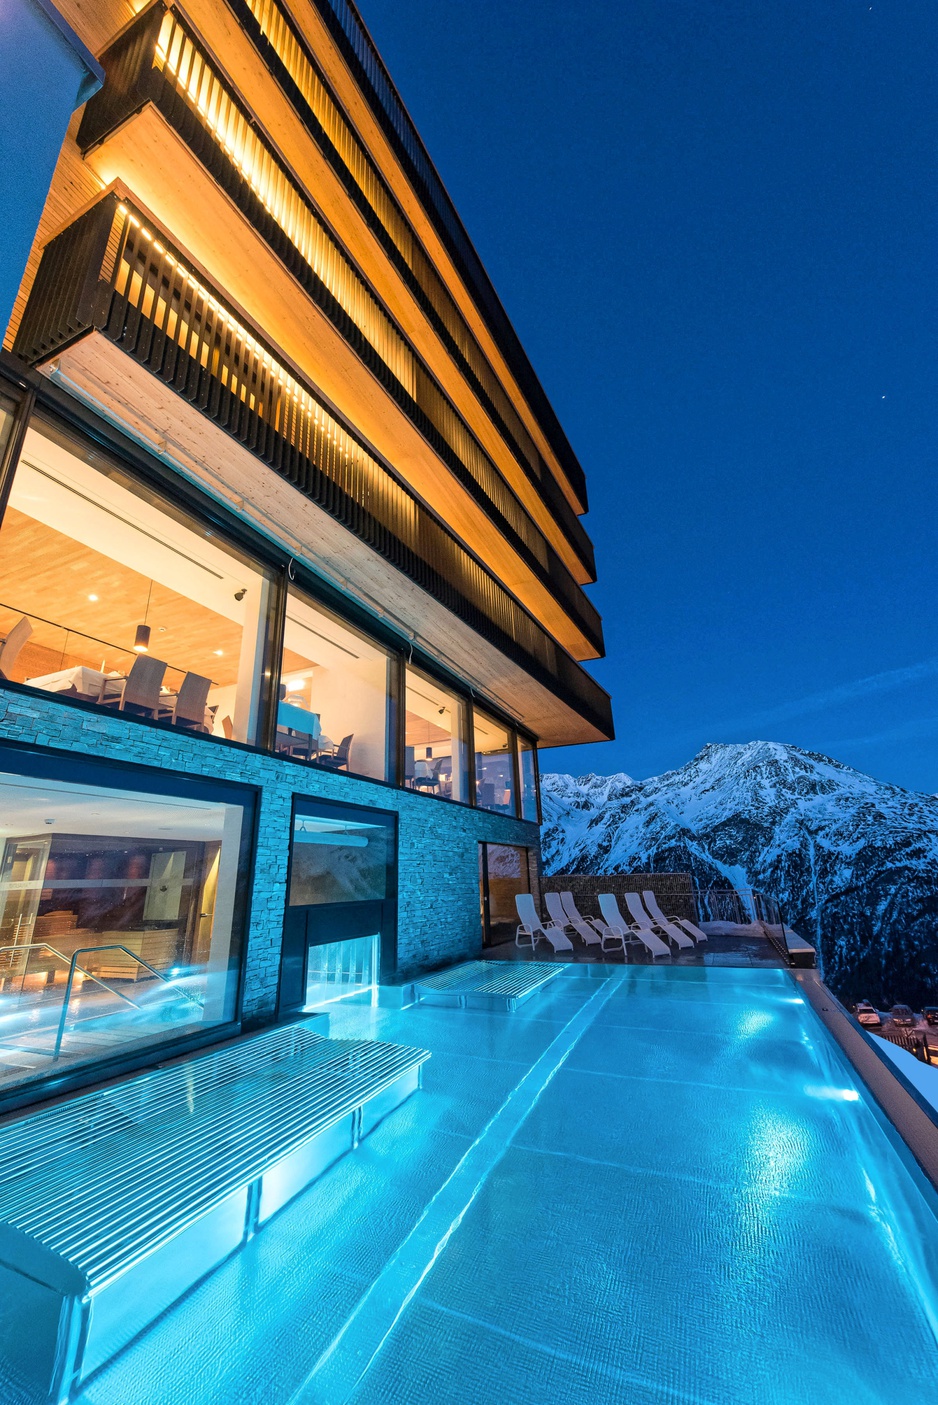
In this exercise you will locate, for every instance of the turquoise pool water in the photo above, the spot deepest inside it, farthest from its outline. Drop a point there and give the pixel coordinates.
(643, 1187)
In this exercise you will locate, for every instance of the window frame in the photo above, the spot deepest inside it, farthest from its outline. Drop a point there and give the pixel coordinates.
(44, 763)
(177, 499)
(70, 417)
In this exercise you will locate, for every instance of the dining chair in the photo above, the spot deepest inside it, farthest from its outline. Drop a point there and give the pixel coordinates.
(298, 744)
(12, 644)
(189, 708)
(339, 758)
(430, 778)
(140, 691)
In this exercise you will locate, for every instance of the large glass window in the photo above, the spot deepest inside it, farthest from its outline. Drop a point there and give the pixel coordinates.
(495, 766)
(116, 921)
(336, 860)
(333, 706)
(110, 595)
(527, 770)
(436, 755)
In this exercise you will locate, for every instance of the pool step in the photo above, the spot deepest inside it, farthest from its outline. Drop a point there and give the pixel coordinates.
(486, 985)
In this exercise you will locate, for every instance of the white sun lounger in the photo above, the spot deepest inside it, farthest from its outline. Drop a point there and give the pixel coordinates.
(557, 909)
(651, 902)
(594, 929)
(531, 928)
(643, 922)
(610, 911)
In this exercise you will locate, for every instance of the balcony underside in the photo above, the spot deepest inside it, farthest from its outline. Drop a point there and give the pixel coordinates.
(97, 371)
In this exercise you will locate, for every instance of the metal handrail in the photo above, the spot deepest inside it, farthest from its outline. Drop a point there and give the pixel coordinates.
(113, 946)
(66, 961)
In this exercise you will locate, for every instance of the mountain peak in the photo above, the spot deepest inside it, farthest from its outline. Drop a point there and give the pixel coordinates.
(853, 860)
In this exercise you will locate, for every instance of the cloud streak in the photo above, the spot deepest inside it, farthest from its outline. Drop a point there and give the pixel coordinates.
(874, 683)
(916, 729)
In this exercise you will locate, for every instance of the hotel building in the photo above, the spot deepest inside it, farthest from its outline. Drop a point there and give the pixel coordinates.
(291, 562)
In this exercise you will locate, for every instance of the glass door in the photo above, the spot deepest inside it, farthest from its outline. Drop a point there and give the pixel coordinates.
(340, 926)
(505, 871)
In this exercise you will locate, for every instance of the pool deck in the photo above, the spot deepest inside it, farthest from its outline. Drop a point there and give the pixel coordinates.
(743, 950)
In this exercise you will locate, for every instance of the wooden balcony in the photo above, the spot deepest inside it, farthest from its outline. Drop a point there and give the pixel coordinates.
(169, 125)
(113, 276)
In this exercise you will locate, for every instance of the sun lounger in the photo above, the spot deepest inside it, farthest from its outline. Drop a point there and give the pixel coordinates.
(642, 921)
(558, 914)
(531, 928)
(651, 902)
(611, 914)
(584, 929)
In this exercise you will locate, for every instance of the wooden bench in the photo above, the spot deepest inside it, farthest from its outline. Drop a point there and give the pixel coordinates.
(113, 1204)
(486, 985)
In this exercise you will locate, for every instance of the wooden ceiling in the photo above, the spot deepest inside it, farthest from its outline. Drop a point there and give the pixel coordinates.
(49, 577)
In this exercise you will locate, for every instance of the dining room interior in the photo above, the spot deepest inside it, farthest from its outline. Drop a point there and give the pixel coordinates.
(334, 690)
(109, 595)
(436, 749)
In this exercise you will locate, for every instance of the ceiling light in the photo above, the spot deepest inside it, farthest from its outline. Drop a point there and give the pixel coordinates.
(142, 636)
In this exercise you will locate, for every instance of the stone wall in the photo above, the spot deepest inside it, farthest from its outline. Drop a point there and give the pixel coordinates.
(438, 874)
(674, 891)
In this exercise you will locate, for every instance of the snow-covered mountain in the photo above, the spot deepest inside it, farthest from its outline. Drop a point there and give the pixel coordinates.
(853, 861)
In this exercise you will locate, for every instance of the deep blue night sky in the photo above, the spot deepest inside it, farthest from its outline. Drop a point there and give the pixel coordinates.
(713, 223)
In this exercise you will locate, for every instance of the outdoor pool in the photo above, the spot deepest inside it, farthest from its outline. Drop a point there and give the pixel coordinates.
(645, 1186)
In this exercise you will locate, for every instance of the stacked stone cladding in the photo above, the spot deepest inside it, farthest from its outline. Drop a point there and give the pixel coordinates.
(438, 869)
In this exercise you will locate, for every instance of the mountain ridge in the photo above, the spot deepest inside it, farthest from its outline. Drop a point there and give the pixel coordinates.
(852, 860)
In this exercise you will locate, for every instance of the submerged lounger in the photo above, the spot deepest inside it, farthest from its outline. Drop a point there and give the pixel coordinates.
(486, 985)
(115, 1203)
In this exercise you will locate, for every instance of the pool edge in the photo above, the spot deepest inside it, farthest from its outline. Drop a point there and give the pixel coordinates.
(905, 1113)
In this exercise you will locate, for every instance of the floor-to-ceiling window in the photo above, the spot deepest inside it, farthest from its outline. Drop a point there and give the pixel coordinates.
(333, 705)
(111, 595)
(117, 917)
(494, 746)
(527, 775)
(436, 754)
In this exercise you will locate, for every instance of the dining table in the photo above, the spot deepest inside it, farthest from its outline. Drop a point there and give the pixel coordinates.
(77, 682)
(91, 685)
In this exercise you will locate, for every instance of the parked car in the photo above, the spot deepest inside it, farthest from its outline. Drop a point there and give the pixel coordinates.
(866, 1013)
(902, 1015)
(931, 1014)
